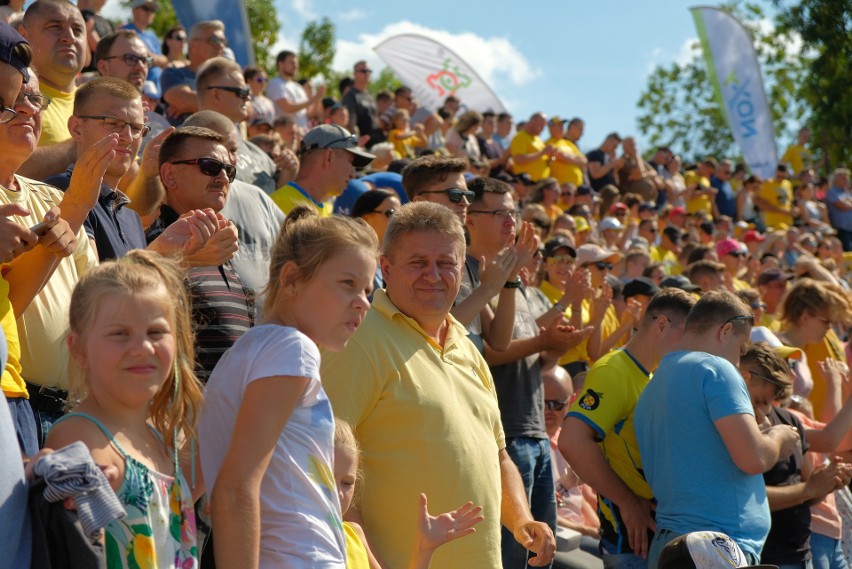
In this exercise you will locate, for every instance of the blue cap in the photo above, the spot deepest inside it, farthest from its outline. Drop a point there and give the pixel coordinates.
(9, 38)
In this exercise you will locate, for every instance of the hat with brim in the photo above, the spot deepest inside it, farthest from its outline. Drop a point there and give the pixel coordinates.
(640, 286)
(704, 550)
(610, 223)
(591, 253)
(334, 136)
(556, 243)
(9, 38)
(681, 282)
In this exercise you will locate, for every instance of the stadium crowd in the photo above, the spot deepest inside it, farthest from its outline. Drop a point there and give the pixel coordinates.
(248, 324)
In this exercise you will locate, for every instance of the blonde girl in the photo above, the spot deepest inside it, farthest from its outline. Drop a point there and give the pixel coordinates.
(432, 531)
(267, 430)
(131, 365)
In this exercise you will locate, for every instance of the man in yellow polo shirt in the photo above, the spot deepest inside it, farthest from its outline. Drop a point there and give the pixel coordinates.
(529, 154)
(597, 436)
(568, 162)
(775, 200)
(329, 155)
(422, 402)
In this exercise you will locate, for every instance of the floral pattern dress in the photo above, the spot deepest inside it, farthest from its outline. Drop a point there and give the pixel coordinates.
(159, 530)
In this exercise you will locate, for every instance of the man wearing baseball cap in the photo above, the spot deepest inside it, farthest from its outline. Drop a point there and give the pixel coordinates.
(733, 254)
(329, 155)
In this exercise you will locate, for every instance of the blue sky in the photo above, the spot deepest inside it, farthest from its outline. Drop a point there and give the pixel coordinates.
(586, 59)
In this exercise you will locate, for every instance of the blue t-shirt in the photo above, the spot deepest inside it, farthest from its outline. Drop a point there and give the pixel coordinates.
(726, 199)
(839, 219)
(346, 200)
(695, 481)
(175, 77)
(152, 42)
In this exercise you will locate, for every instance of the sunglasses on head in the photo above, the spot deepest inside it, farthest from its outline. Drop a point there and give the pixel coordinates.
(555, 404)
(455, 195)
(211, 167)
(741, 318)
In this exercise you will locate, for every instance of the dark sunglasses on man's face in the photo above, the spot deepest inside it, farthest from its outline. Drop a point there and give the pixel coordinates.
(555, 404)
(455, 195)
(601, 265)
(211, 167)
(243, 93)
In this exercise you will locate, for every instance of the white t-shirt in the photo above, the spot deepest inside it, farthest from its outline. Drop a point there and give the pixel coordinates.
(291, 92)
(300, 519)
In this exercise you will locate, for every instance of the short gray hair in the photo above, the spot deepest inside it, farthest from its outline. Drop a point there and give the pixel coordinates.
(425, 217)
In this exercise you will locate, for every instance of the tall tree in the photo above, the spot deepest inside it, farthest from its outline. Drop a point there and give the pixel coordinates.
(317, 49)
(679, 109)
(825, 27)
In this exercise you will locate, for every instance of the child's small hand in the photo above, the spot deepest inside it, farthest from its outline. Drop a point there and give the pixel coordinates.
(434, 531)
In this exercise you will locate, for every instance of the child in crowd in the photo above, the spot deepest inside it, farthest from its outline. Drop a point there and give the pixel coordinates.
(131, 350)
(432, 531)
(403, 138)
(267, 429)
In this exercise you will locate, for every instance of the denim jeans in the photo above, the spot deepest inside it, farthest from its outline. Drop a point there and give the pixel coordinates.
(803, 565)
(25, 425)
(44, 421)
(532, 457)
(827, 553)
(624, 561)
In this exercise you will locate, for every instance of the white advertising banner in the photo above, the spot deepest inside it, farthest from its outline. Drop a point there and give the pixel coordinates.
(434, 72)
(733, 67)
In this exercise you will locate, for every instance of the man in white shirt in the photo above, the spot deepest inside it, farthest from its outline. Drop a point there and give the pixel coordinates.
(287, 94)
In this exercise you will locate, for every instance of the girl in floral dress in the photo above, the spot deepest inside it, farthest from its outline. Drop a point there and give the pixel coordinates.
(132, 365)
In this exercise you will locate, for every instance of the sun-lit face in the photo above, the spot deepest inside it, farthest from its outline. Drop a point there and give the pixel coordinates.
(554, 396)
(57, 36)
(345, 475)
(128, 350)
(19, 137)
(435, 193)
(762, 392)
(114, 65)
(492, 222)
(331, 305)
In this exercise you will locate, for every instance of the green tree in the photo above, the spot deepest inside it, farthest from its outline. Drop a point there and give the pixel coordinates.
(679, 108)
(825, 27)
(386, 81)
(317, 50)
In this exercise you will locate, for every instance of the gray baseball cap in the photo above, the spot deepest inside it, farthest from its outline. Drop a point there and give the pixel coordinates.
(334, 136)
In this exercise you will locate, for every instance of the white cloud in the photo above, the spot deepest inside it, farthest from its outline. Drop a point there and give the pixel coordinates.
(494, 58)
(353, 14)
(689, 51)
(113, 10)
(304, 8)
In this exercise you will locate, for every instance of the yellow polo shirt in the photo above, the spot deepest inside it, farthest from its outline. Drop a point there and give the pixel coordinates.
(12, 383)
(525, 143)
(428, 421)
(562, 171)
(779, 194)
(700, 203)
(54, 119)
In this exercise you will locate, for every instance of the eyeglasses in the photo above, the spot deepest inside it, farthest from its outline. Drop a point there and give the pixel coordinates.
(387, 213)
(243, 93)
(563, 259)
(179, 37)
(363, 71)
(114, 125)
(131, 59)
(501, 214)
(261, 79)
(213, 40)
(780, 386)
(555, 404)
(568, 193)
(39, 102)
(211, 167)
(454, 194)
(749, 318)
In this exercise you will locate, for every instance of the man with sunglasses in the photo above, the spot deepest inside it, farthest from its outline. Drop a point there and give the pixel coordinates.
(329, 155)
(177, 84)
(123, 55)
(222, 88)
(363, 115)
(733, 255)
(702, 452)
(143, 13)
(197, 170)
(598, 437)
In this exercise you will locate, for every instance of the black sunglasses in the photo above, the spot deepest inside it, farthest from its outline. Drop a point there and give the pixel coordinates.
(454, 194)
(555, 404)
(741, 318)
(603, 265)
(211, 167)
(243, 93)
(131, 59)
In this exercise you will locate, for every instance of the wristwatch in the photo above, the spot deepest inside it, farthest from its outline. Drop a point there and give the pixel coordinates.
(513, 284)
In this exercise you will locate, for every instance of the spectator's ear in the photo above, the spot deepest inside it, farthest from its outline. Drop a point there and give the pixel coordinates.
(75, 125)
(168, 175)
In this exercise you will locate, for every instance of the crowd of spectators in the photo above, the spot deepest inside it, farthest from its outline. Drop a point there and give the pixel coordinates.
(587, 357)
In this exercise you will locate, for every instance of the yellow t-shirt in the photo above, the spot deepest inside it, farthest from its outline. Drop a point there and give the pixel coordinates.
(11, 382)
(427, 420)
(830, 347)
(562, 171)
(700, 203)
(770, 321)
(289, 196)
(404, 144)
(44, 324)
(356, 552)
(525, 143)
(607, 404)
(798, 157)
(668, 259)
(54, 119)
(779, 194)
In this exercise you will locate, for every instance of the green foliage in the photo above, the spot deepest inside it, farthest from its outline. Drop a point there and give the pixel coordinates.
(316, 49)
(679, 108)
(825, 27)
(386, 81)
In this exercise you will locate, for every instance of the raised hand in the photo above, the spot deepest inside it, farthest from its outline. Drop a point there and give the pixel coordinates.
(188, 234)
(219, 249)
(434, 531)
(59, 239)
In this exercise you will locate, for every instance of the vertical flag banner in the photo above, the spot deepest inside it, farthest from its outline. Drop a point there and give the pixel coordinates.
(733, 67)
(434, 72)
(232, 14)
